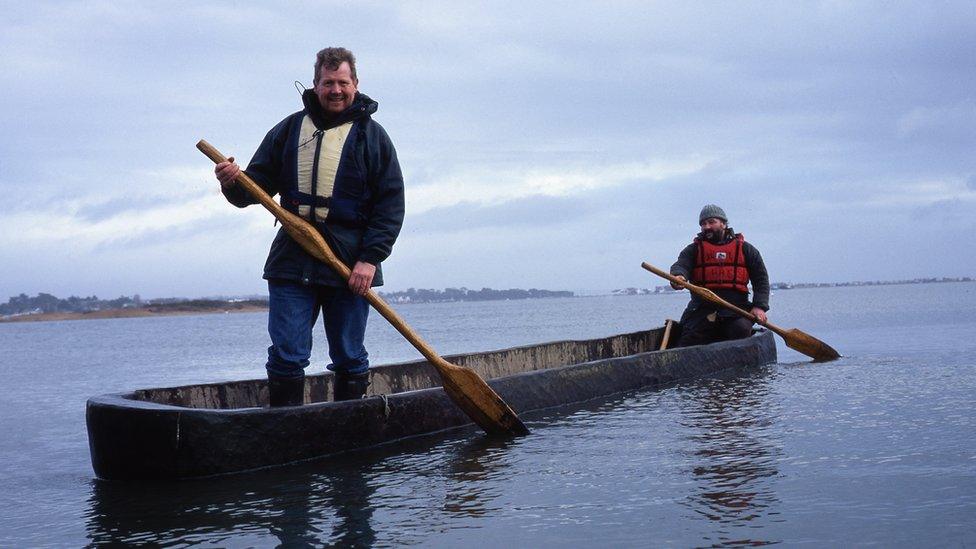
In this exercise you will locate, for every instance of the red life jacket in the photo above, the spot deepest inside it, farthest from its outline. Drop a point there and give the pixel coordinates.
(721, 266)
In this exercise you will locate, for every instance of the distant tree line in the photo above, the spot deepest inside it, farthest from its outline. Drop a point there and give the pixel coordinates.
(930, 280)
(47, 303)
(414, 295)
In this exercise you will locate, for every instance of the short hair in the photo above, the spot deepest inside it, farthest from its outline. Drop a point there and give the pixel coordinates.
(331, 58)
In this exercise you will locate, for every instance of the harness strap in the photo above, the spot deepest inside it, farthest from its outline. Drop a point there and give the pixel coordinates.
(298, 198)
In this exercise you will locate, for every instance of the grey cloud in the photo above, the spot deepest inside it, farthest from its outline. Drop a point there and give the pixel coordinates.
(948, 213)
(171, 236)
(113, 207)
(533, 211)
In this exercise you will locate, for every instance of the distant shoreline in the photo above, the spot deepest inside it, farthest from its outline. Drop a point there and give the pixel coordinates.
(211, 306)
(128, 313)
(666, 289)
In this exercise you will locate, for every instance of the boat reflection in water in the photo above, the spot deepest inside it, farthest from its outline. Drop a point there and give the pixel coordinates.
(421, 485)
(307, 505)
(734, 451)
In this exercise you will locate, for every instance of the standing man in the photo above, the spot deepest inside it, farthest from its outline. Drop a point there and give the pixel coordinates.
(722, 261)
(335, 167)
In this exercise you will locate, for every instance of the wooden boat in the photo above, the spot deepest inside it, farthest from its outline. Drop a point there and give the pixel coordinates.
(218, 428)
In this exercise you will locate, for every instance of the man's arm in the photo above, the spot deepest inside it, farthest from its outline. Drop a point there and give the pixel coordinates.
(685, 264)
(758, 276)
(386, 215)
(264, 168)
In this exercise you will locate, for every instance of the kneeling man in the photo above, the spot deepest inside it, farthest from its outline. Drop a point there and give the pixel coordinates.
(722, 261)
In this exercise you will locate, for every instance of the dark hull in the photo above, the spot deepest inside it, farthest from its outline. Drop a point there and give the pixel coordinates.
(204, 430)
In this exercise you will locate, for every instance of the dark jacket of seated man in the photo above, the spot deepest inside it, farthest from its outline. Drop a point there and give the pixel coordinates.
(721, 260)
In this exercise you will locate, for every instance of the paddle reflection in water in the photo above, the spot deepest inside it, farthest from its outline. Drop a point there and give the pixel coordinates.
(734, 450)
(435, 485)
(473, 469)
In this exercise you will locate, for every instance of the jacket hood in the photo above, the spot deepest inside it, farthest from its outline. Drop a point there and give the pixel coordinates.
(362, 107)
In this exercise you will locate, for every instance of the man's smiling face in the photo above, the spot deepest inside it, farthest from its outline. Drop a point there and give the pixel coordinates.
(336, 89)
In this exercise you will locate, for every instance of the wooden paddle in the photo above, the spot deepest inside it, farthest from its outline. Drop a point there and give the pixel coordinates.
(463, 385)
(795, 339)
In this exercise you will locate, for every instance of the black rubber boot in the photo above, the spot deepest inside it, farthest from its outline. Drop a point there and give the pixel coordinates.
(286, 391)
(350, 386)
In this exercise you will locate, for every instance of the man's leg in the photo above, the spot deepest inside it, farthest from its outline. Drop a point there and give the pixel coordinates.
(736, 328)
(344, 315)
(697, 328)
(292, 310)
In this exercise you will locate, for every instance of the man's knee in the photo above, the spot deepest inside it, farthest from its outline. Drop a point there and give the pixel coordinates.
(291, 314)
(696, 331)
(345, 328)
(738, 328)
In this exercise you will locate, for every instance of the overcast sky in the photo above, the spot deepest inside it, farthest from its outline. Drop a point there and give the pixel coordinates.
(546, 145)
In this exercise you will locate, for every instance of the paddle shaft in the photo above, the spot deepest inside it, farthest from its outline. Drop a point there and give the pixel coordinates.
(709, 295)
(313, 243)
(666, 338)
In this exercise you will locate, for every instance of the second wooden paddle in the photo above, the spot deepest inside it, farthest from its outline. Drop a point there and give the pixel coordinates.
(795, 339)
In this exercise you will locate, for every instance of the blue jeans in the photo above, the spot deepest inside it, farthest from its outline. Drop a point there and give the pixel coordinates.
(293, 310)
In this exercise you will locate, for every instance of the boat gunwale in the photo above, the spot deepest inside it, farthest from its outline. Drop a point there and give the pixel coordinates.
(130, 399)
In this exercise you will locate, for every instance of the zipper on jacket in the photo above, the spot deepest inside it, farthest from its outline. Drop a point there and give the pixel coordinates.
(315, 174)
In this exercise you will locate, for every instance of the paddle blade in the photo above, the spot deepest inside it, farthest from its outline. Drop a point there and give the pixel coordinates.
(809, 345)
(480, 402)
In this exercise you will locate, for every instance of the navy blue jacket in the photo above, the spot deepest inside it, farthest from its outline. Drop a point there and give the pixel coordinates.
(367, 204)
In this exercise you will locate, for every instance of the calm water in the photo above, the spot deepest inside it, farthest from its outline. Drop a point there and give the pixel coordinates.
(876, 448)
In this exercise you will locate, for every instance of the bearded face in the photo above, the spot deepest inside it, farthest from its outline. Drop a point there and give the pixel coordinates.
(713, 229)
